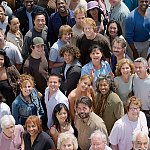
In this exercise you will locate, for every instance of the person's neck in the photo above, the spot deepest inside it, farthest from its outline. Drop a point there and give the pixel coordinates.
(79, 27)
(92, 36)
(125, 78)
(133, 119)
(33, 137)
(38, 30)
(141, 12)
(2, 45)
(35, 56)
(14, 32)
(8, 136)
(64, 14)
(80, 92)
(144, 76)
(120, 57)
(97, 65)
(3, 19)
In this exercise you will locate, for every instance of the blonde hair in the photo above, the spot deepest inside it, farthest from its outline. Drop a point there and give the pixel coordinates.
(91, 22)
(64, 29)
(80, 10)
(121, 63)
(65, 136)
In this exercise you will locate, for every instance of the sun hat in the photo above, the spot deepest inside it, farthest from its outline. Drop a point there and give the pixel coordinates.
(37, 41)
(92, 4)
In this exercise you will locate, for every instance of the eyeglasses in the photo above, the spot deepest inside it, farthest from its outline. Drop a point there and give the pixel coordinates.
(133, 109)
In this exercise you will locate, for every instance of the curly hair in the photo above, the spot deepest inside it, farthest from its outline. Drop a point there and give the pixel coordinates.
(110, 81)
(70, 49)
(121, 63)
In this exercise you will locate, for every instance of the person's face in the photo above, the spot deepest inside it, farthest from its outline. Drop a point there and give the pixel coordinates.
(1, 61)
(38, 49)
(125, 70)
(26, 89)
(68, 57)
(85, 85)
(32, 129)
(141, 143)
(28, 4)
(39, 22)
(112, 29)
(83, 111)
(53, 83)
(62, 116)
(67, 145)
(118, 50)
(61, 6)
(97, 144)
(133, 112)
(1, 38)
(88, 30)
(104, 87)
(66, 37)
(114, 2)
(94, 13)
(14, 25)
(140, 69)
(9, 130)
(143, 4)
(79, 19)
(2, 13)
(96, 55)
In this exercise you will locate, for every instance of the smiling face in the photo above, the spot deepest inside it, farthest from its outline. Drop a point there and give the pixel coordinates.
(88, 30)
(32, 129)
(94, 13)
(62, 116)
(28, 4)
(26, 88)
(2, 14)
(113, 29)
(61, 6)
(97, 143)
(66, 37)
(1, 61)
(67, 144)
(68, 57)
(143, 5)
(85, 84)
(125, 70)
(53, 83)
(104, 87)
(96, 55)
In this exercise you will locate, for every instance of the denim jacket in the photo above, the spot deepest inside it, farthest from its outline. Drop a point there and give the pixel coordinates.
(21, 109)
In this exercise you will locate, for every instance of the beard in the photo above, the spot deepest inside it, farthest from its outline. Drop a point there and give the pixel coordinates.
(83, 115)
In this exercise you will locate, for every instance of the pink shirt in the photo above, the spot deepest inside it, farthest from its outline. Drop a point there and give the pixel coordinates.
(13, 143)
(123, 129)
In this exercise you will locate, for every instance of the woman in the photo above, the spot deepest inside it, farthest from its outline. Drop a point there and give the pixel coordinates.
(108, 104)
(124, 79)
(11, 137)
(61, 118)
(67, 141)
(35, 138)
(113, 29)
(13, 33)
(71, 69)
(124, 128)
(9, 76)
(96, 67)
(94, 12)
(84, 88)
(27, 102)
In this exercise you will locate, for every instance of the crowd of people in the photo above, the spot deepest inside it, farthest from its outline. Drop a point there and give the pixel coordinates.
(75, 75)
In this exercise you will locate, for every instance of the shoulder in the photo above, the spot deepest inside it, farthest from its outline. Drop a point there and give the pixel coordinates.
(114, 97)
(19, 128)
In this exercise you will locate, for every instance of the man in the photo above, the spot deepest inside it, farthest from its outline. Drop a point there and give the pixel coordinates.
(86, 122)
(91, 37)
(118, 11)
(141, 85)
(98, 141)
(55, 61)
(39, 30)
(25, 15)
(53, 96)
(140, 141)
(11, 50)
(36, 64)
(134, 28)
(62, 17)
(77, 29)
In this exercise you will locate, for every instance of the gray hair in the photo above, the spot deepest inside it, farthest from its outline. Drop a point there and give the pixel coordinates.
(7, 120)
(138, 132)
(64, 136)
(98, 133)
(143, 60)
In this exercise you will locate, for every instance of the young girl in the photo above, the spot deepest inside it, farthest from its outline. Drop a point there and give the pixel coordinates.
(61, 118)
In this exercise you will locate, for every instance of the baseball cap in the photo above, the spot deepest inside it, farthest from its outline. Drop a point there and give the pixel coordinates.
(92, 4)
(38, 41)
